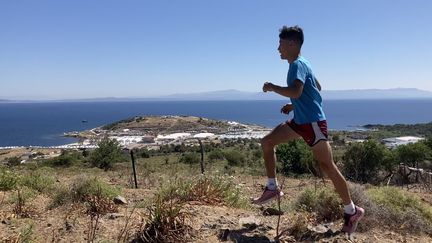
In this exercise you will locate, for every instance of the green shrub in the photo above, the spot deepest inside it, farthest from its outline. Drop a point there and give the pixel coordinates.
(39, 181)
(296, 157)
(257, 154)
(325, 202)
(23, 195)
(61, 196)
(13, 161)
(215, 155)
(8, 180)
(190, 158)
(66, 159)
(428, 142)
(108, 153)
(235, 158)
(85, 187)
(143, 153)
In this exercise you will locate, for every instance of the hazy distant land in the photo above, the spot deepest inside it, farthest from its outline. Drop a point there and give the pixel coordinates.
(358, 94)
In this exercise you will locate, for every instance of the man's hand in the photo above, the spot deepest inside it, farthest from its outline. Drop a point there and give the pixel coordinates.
(286, 109)
(268, 87)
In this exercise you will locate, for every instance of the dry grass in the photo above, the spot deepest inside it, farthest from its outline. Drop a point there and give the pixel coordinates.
(167, 222)
(324, 202)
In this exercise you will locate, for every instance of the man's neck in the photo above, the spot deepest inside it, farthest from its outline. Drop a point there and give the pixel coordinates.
(293, 58)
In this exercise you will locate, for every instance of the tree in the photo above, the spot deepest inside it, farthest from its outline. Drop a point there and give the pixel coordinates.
(413, 153)
(428, 142)
(296, 157)
(107, 153)
(362, 161)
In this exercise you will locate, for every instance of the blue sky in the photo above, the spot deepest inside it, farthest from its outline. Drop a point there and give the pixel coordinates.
(104, 48)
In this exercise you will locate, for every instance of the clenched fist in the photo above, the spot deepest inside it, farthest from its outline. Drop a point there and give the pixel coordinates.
(286, 109)
(268, 86)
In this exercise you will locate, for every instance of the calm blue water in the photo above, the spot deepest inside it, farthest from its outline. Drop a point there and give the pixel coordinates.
(24, 124)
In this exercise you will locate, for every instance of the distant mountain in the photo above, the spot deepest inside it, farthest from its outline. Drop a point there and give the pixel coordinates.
(398, 93)
(231, 94)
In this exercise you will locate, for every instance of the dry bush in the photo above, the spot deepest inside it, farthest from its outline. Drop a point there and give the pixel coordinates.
(325, 202)
(298, 231)
(21, 209)
(126, 231)
(82, 190)
(207, 189)
(391, 208)
(167, 223)
(97, 205)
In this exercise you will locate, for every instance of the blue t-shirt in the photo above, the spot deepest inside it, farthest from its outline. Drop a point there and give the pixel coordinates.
(308, 107)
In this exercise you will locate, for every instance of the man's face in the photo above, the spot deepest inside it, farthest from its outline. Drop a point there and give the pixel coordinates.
(284, 48)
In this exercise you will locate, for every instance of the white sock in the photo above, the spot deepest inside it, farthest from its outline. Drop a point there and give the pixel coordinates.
(272, 183)
(350, 208)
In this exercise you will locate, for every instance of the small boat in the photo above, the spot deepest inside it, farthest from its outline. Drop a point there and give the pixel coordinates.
(84, 121)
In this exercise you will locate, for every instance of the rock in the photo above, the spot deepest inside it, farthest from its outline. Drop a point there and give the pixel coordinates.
(115, 215)
(120, 200)
(320, 229)
(272, 211)
(249, 222)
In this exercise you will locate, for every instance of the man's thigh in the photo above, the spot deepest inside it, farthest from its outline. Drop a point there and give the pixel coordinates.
(322, 152)
(281, 134)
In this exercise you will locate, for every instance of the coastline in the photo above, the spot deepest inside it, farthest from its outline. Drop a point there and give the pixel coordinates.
(134, 138)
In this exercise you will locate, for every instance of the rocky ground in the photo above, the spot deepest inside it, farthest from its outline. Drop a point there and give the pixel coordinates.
(207, 223)
(70, 223)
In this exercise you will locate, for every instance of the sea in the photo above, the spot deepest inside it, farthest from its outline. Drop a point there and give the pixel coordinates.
(43, 123)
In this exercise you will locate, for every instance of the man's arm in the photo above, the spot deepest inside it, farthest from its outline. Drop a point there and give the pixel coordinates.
(294, 91)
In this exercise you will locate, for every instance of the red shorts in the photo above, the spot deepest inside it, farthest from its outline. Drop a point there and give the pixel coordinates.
(312, 133)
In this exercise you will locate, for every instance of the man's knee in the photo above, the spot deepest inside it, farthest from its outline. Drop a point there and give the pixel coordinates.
(266, 142)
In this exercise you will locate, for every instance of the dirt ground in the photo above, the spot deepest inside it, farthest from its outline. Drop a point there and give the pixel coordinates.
(70, 223)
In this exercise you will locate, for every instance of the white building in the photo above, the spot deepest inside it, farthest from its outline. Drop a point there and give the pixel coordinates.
(204, 135)
(396, 141)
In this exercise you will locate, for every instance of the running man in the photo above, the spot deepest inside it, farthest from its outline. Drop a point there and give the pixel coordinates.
(309, 122)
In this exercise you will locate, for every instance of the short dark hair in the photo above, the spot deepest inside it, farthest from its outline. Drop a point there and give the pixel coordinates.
(294, 33)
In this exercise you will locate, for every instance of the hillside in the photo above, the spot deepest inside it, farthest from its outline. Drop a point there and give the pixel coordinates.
(172, 124)
(209, 214)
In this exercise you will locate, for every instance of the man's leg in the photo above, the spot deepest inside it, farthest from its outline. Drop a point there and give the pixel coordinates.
(323, 154)
(282, 133)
